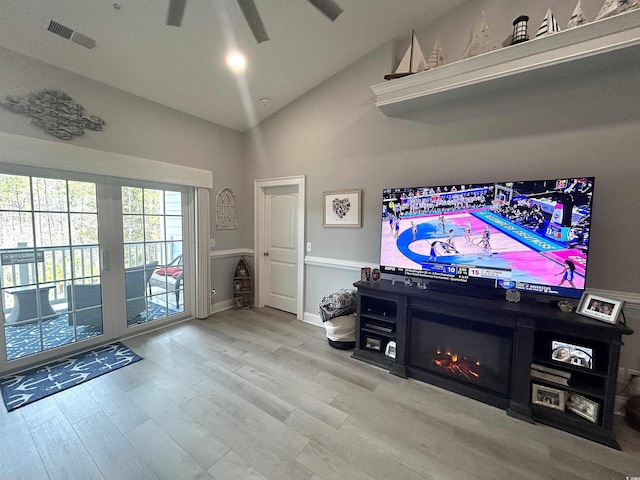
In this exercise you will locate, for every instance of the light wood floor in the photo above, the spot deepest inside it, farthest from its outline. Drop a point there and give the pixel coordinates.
(255, 394)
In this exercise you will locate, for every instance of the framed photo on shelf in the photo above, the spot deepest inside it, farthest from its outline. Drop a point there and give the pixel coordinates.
(576, 355)
(342, 208)
(372, 343)
(600, 308)
(547, 396)
(582, 406)
(365, 274)
(375, 275)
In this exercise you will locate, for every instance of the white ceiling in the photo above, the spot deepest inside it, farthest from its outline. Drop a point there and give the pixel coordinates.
(183, 67)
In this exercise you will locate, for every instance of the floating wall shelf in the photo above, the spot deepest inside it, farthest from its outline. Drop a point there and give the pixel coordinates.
(598, 46)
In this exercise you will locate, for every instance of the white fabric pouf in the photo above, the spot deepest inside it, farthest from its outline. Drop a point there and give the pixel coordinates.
(341, 331)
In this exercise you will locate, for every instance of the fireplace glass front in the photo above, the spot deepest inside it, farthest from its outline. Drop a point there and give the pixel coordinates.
(471, 352)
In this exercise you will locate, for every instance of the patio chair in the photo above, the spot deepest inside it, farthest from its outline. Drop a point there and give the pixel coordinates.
(169, 277)
(86, 296)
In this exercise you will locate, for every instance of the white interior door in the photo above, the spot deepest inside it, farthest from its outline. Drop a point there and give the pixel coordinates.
(280, 253)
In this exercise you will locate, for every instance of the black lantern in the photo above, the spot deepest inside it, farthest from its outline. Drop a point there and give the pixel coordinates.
(520, 30)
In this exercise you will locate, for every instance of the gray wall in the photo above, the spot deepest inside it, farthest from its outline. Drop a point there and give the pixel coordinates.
(138, 127)
(570, 125)
(339, 139)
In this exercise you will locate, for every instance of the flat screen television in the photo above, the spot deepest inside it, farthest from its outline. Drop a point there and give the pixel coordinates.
(532, 236)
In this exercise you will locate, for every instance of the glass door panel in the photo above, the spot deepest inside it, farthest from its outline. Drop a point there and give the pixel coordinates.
(152, 233)
(50, 281)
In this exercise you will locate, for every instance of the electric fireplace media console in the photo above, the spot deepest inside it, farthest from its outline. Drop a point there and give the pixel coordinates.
(486, 349)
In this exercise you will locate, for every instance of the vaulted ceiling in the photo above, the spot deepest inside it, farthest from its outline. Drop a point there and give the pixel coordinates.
(184, 67)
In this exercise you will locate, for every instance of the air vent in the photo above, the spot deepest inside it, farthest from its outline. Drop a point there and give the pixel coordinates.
(64, 32)
(83, 40)
(175, 13)
(70, 34)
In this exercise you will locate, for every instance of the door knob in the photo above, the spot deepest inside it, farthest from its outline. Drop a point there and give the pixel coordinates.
(266, 254)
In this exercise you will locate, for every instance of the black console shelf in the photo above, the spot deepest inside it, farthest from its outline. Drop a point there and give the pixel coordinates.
(376, 325)
(387, 311)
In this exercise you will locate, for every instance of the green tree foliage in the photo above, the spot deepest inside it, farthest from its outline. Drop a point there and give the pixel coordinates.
(62, 215)
(142, 209)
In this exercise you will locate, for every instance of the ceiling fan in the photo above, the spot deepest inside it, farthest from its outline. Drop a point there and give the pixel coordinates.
(176, 10)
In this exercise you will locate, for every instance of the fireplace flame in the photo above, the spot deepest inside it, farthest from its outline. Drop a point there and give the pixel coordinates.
(459, 366)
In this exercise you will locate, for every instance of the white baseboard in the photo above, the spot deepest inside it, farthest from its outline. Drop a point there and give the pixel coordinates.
(313, 319)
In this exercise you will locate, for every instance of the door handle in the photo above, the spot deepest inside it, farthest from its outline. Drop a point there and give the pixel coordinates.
(105, 260)
(266, 254)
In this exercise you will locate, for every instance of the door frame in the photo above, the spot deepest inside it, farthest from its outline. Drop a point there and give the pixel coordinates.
(259, 197)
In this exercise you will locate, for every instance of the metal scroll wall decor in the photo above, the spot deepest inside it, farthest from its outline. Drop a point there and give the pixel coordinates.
(226, 209)
(55, 112)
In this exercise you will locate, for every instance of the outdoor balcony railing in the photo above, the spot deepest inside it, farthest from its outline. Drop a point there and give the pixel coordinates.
(59, 266)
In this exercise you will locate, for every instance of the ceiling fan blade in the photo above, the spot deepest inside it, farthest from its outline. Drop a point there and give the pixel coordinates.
(175, 12)
(252, 16)
(330, 8)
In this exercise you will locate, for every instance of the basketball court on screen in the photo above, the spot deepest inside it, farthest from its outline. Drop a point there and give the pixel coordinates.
(506, 250)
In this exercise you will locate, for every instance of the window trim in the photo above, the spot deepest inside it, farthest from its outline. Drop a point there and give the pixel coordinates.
(34, 152)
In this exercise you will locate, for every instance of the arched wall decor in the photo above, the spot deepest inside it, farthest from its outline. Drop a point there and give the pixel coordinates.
(226, 210)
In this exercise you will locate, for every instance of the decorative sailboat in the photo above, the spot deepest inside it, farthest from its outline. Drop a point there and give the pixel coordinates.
(549, 25)
(436, 58)
(412, 62)
(614, 7)
(577, 17)
(480, 41)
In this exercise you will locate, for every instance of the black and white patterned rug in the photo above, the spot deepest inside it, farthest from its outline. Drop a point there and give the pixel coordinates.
(26, 387)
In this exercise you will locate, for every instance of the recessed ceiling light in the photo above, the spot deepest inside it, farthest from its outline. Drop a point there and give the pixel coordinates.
(236, 62)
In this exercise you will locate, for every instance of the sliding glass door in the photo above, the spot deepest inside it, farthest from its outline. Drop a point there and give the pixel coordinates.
(62, 280)
(49, 253)
(153, 255)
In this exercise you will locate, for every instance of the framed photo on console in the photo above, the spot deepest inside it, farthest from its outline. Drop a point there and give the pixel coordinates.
(600, 308)
(547, 396)
(576, 355)
(375, 275)
(372, 343)
(365, 274)
(582, 406)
